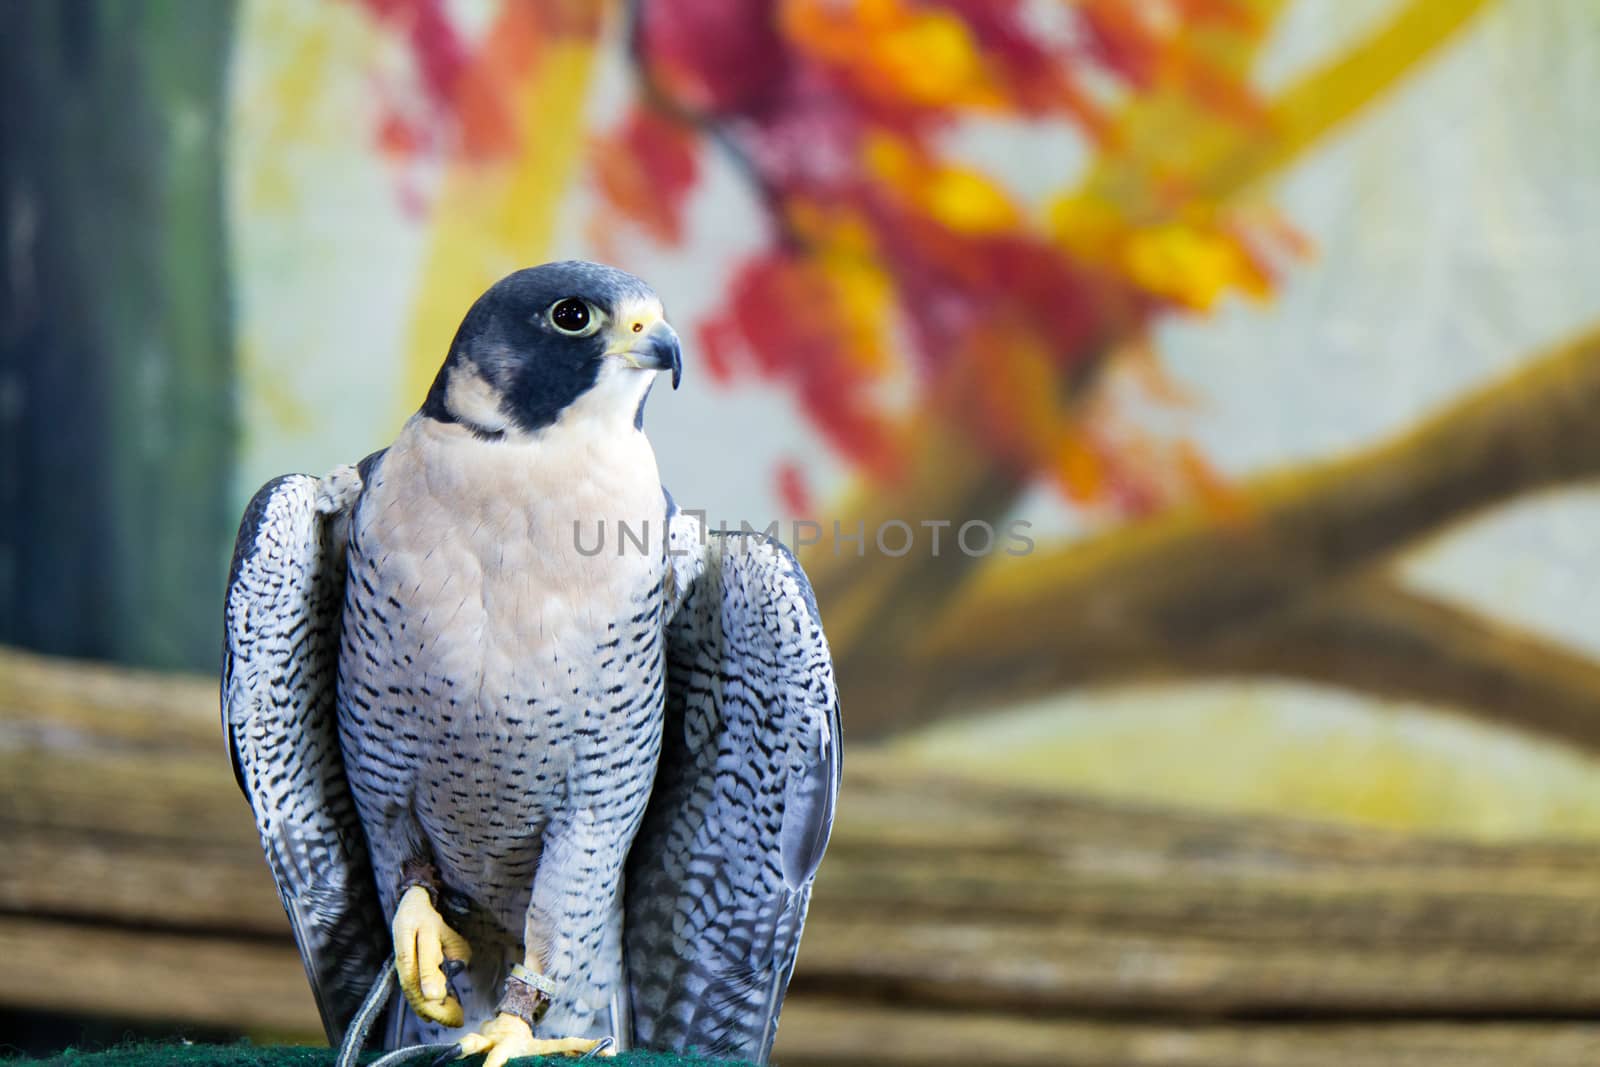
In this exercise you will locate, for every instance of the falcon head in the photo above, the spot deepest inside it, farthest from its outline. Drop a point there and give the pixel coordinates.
(559, 341)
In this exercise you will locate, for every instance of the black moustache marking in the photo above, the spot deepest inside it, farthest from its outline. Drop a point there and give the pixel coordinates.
(536, 370)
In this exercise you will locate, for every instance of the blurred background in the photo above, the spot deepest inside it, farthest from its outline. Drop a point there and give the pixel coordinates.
(1276, 322)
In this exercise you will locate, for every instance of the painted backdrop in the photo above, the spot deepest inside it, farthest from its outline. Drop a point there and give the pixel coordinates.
(1276, 321)
(1272, 326)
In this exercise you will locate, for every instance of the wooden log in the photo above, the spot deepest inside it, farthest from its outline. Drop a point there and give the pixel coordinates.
(218, 982)
(821, 1032)
(159, 975)
(950, 919)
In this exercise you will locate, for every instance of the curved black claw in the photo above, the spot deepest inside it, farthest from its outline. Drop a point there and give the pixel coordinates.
(605, 1043)
(453, 969)
(447, 1056)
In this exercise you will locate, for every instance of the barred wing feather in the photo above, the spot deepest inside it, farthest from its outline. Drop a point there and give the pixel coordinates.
(280, 659)
(720, 876)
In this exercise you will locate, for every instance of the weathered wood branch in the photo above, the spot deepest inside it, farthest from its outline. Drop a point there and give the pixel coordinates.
(1164, 596)
(1375, 636)
(866, 592)
(948, 916)
(1178, 574)
(1368, 634)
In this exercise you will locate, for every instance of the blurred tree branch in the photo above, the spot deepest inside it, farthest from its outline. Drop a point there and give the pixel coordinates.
(1291, 586)
(876, 604)
(1374, 635)
(1332, 94)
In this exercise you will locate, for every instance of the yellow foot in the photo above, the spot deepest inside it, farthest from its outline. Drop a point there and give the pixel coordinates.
(506, 1037)
(422, 942)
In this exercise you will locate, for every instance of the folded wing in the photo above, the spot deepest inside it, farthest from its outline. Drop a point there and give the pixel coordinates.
(720, 875)
(280, 661)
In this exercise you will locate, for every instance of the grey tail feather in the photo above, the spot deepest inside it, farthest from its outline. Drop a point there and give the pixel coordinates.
(796, 918)
(327, 969)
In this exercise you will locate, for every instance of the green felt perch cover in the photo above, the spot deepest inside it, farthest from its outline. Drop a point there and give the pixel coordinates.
(247, 1055)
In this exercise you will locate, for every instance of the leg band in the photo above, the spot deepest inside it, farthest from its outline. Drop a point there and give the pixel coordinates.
(420, 872)
(528, 995)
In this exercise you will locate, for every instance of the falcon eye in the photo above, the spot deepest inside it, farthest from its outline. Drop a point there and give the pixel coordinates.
(574, 315)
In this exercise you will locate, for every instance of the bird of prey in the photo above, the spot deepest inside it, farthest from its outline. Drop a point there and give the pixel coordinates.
(503, 710)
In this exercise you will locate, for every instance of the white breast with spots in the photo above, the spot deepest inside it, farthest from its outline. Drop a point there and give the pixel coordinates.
(483, 615)
(494, 543)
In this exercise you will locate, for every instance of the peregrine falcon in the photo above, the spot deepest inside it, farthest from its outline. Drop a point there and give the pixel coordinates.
(502, 710)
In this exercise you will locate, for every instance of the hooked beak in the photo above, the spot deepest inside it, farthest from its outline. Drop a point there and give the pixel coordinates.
(657, 349)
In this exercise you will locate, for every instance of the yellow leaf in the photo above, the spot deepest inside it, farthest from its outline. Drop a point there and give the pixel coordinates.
(1078, 469)
(1184, 264)
(934, 62)
(967, 202)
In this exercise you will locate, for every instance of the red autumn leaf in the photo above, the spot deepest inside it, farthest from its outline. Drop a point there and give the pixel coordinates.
(895, 269)
(713, 56)
(783, 319)
(645, 170)
(794, 491)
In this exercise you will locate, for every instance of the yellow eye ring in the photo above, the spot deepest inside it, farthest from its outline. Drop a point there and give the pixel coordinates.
(574, 316)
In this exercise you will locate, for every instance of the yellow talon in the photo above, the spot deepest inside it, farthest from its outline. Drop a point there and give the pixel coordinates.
(508, 1037)
(422, 942)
